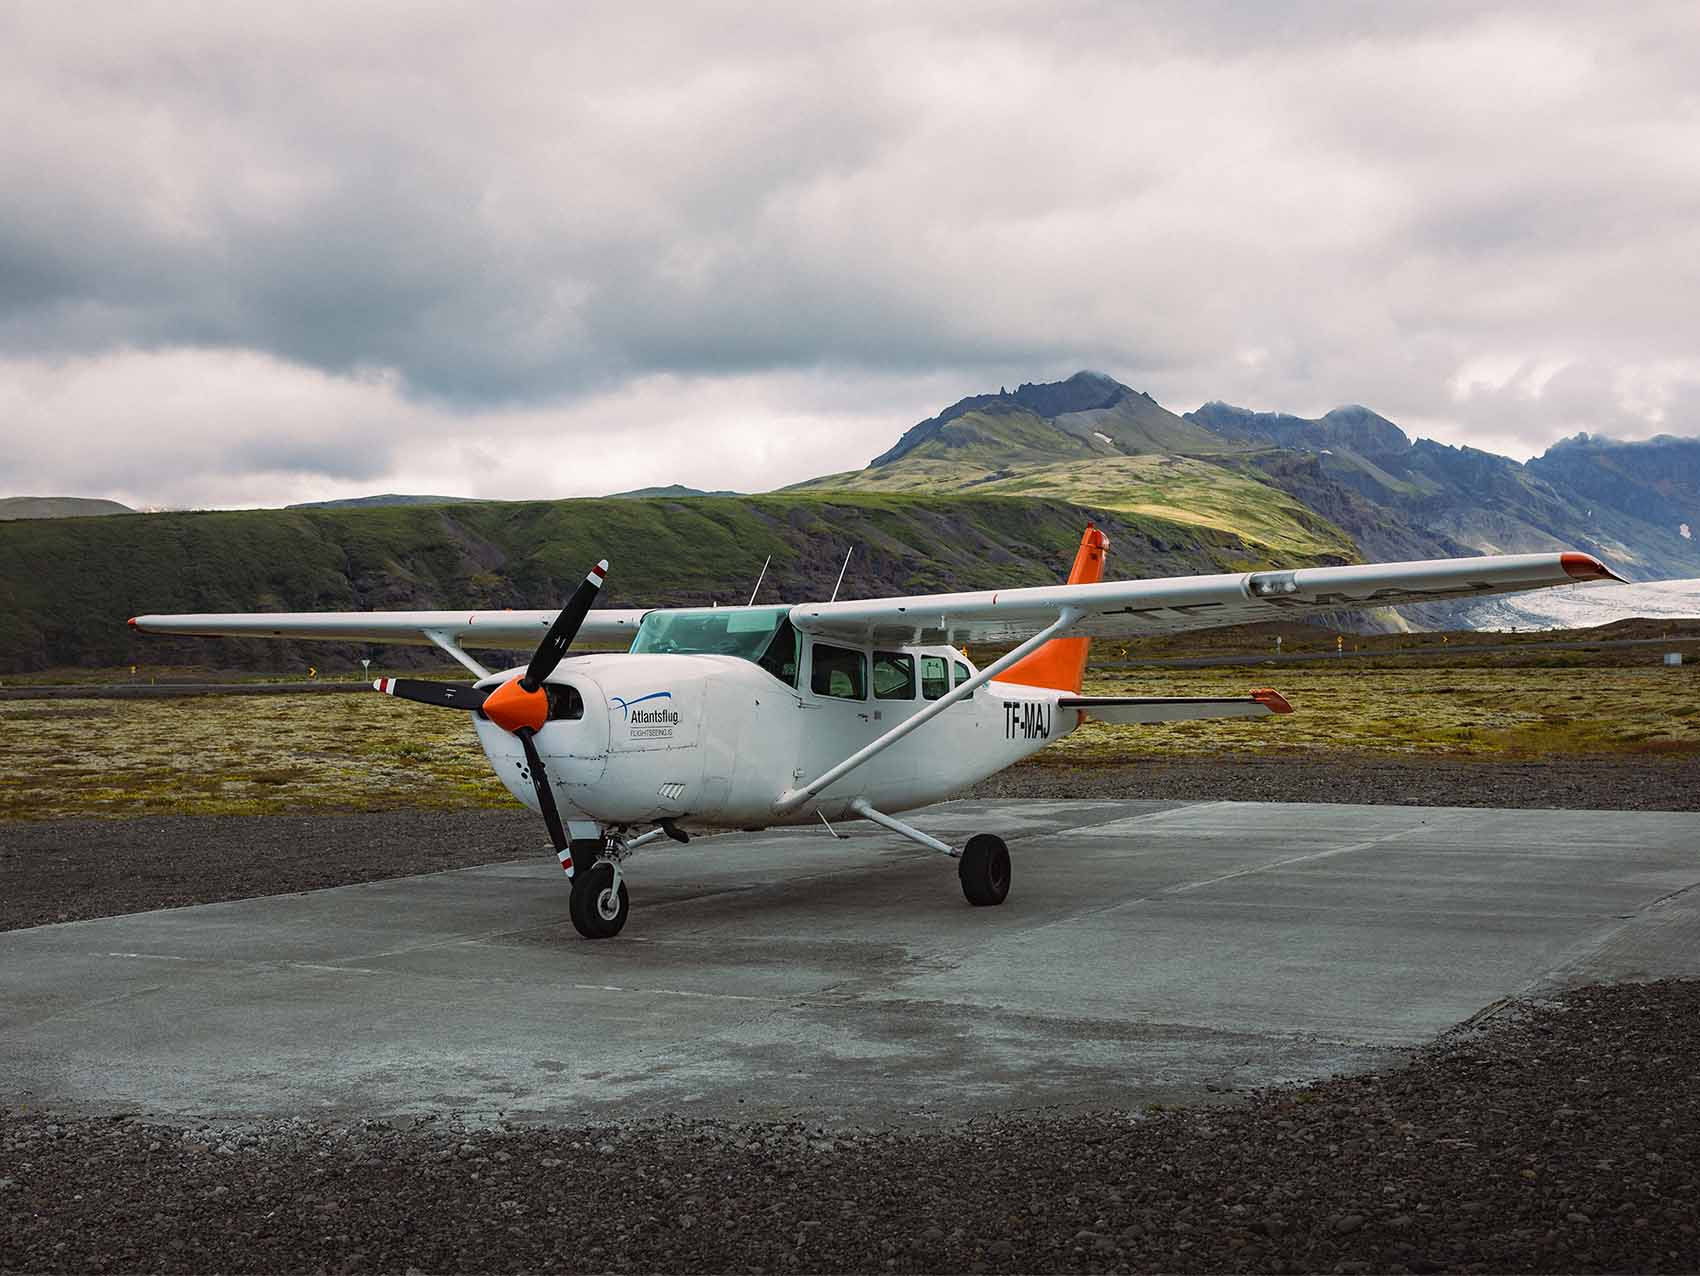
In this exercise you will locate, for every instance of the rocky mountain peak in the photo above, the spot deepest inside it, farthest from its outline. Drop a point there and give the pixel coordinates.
(1085, 391)
(1352, 427)
(1368, 432)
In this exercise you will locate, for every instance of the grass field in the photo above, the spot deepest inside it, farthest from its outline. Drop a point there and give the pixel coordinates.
(238, 755)
(1493, 712)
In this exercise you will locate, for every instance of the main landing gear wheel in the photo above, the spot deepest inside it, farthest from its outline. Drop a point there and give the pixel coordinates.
(984, 869)
(598, 909)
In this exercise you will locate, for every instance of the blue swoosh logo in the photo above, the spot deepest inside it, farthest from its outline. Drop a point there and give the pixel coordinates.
(626, 705)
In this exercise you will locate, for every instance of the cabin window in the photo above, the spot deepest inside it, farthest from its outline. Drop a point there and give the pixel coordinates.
(935, 677)
(894, 676)
(839, 672)
(961, 673)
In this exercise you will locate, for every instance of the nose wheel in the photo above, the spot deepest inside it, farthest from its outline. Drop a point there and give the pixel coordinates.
(599, 904)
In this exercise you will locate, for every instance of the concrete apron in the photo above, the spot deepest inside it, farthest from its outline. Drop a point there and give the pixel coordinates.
(1149, 952)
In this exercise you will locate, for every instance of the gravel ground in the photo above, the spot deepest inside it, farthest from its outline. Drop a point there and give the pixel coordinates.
(67, 870)
(1562, 1136)
(1610, 783)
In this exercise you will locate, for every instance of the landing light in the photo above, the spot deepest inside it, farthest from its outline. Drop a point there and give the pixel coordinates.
(1267, 584)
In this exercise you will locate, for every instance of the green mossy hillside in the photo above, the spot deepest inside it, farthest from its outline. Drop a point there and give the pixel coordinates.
(1176, 489)
(68, 585)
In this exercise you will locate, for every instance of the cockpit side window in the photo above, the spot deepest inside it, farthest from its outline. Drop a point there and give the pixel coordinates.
(840, 672)
(780, 658)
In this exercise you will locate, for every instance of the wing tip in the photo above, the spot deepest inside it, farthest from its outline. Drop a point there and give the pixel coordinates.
(1586, 567)
(1271, 699)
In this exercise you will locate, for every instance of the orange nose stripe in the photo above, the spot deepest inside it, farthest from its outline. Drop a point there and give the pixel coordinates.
(511, 707)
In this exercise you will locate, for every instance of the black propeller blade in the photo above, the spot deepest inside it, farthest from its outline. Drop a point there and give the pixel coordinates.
(545, 795)
(447, 695)
(560, 635)
(518, 705)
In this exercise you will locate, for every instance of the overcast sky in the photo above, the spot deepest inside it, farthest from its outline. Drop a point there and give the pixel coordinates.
(253, 254)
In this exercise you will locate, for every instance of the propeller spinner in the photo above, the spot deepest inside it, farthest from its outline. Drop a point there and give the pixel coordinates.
(520, 705)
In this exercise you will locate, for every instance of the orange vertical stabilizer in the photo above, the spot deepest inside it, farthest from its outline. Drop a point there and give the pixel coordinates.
(1061, 663)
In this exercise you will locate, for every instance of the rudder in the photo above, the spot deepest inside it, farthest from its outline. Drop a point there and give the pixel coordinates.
(1061, 663)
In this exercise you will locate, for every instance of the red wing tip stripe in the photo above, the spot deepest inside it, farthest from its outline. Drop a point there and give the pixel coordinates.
(1276, 702)
(1586, 567)
(132, 623)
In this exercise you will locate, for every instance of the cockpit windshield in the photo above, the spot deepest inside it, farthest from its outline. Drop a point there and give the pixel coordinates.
(745, 632)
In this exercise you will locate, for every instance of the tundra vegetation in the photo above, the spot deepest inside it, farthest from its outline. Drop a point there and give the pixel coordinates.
(274, 754)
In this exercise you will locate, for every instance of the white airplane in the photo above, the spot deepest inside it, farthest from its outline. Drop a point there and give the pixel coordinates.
(746, 717)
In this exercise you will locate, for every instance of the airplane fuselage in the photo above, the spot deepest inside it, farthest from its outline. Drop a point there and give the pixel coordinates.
(716, 740)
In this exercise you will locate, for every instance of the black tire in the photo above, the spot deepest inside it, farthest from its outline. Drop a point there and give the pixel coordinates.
(598, 911)
(984, 870)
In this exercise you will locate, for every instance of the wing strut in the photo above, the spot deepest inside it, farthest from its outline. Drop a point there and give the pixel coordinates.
(792, 799)
(448, 644)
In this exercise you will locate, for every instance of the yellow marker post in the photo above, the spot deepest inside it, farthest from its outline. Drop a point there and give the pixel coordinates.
(312, 672)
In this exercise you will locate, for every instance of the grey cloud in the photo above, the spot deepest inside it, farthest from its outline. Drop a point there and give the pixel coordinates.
(1291, 205)
(360, 456)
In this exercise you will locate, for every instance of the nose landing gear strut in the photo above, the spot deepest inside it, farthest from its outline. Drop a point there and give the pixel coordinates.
(600, 904)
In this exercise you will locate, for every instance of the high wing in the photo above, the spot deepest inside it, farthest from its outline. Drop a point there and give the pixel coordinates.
(1178, 603)
(506, 630)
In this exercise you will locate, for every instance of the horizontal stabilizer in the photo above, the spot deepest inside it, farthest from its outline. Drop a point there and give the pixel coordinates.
(1126, 710)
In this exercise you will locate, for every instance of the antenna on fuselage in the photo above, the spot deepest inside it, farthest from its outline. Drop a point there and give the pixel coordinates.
(841, 572)
(759, 580)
